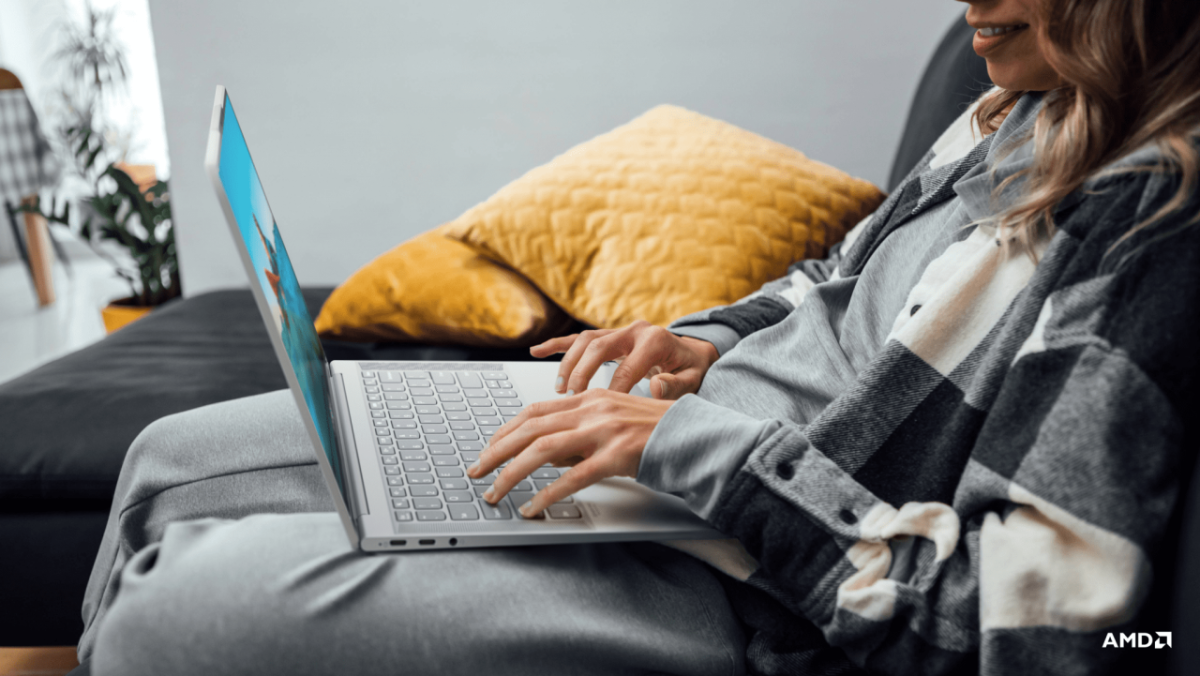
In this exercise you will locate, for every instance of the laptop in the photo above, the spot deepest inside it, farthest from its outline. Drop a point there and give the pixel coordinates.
(393, 439)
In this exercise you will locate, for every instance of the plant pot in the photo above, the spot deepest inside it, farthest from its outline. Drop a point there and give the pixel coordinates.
(121, 312)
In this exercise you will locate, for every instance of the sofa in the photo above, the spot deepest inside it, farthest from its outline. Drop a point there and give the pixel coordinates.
(68, 423)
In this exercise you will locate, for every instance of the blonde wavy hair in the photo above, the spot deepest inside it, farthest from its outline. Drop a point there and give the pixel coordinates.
(1131, 70)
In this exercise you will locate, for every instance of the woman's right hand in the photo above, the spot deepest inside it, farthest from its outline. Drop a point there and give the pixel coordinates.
(675, 364)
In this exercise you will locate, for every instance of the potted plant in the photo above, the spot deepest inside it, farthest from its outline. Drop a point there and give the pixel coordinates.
(115, 207)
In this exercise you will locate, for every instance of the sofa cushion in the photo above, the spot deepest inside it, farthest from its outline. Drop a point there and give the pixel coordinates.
(671, 213)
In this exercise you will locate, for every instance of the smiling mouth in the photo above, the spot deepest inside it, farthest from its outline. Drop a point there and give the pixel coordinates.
(997, 31)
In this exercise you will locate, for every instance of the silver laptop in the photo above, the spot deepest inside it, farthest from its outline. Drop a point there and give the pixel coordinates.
(393, 439)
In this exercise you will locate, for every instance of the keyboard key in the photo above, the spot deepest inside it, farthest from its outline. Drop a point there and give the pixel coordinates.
(404, 424)
(469, 445)
(399, 504)
(445, 461)
(431, 420)
(498, 512)
(443, 378)
(400, 415)
(495, 375)
(454, 484)
(422, 381)
(424, 401)
(382, 431)
(458, 416)
(397, 481)
(487, 432)
(458, 496)
(413, 455)
(423, 491)
(438, 438)
(391, 376)
(416, 467)
(545, 473)
(542, 483)
(484, 480)
(374, 397)
(488, 420)
(418, 374)
(439, 449)
(445, 389)
(454, 407)
(494, 384)
(421, 391)
(449, 473)
(403, 516)
(564, 512)
(462, 426)
(393, 387)
(407, 434)
(395, 396)
(523, 485)
(470, 380)
(391, 470)
(416, 479)
(398, 405)
(502, 397)
(368, 374)
(409, 445)
(484, 413)
(379, 423)
(384, 442)
(434, 429)
(398, 492)
(427, 503)
(466, 436)
(480, 490)
(447, 398)
(390, 460)
(375, 405)
(464, 513)
(469, 457)
(428, 410)
(377, 414)
(509, 412)
(431, 516)
(474, 395)
(520, 497)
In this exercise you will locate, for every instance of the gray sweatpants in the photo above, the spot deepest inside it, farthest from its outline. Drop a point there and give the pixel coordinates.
(222, 555)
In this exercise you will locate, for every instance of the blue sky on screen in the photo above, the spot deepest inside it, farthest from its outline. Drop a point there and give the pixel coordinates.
(274, 275)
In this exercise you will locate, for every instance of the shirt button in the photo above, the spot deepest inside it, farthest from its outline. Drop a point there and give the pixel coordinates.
(848, 517)
(914, 310)
(785, 471)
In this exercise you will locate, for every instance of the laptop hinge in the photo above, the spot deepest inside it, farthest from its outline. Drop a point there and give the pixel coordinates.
(351, 473)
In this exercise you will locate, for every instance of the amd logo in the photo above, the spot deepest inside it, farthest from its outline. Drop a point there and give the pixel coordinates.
(1159, 639)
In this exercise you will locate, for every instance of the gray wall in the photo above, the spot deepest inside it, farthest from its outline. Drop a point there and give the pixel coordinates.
(371, 122)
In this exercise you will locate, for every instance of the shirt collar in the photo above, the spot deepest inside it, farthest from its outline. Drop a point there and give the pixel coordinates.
(1003, 160)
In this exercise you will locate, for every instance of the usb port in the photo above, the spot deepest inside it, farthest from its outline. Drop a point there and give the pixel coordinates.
(426, 542)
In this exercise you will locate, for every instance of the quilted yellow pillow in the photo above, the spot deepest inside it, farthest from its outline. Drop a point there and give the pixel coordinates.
(671, 213)
(436, 290)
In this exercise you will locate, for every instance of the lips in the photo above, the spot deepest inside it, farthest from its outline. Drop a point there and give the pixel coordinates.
(989, 37)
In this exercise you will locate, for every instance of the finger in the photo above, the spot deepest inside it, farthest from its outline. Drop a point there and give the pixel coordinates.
(537, 419)
(541, 451)
(642, 359)
(572, 481)
(675, 385)
(606, 348)
(567, 365)
(554, 346)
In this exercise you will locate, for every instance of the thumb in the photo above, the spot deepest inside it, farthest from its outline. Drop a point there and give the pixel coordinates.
(673, 386)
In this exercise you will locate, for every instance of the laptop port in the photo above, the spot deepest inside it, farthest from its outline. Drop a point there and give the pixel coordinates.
(398, 543)
(453, 541)
(426, 542)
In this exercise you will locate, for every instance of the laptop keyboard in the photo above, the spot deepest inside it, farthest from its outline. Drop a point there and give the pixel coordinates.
(429, 426)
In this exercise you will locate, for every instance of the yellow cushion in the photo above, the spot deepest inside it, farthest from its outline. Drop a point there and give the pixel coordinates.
(435, 290)
(671, 213)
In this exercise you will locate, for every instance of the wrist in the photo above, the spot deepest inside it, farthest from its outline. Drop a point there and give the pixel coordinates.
(706, 350)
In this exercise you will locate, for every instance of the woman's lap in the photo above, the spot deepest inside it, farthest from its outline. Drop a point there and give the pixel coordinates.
(258, 590)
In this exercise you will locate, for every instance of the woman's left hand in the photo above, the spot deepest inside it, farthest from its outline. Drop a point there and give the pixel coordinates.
(599, 434)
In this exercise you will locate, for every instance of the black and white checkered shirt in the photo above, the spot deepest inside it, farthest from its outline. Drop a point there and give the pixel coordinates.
(26, 162)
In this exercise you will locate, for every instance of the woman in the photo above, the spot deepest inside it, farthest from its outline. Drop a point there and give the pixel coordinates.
(951, 447)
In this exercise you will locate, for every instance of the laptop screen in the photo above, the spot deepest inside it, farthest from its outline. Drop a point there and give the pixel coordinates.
(273, 273)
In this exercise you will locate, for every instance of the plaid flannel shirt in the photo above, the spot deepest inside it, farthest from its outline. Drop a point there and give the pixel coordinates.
(989, 494)
(26, 161)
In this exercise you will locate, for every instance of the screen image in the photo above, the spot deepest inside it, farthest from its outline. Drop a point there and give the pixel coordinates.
(274, 275)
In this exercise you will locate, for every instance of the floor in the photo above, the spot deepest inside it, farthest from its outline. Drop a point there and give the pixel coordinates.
(29, 335)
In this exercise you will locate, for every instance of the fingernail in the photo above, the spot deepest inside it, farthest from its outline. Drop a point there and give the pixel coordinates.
(570, 392)
(558, 384)
(527, 508)
(474, 466)
(488, 495)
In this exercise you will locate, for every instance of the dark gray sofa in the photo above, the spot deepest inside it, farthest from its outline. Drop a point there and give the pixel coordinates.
(68, 423)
